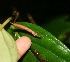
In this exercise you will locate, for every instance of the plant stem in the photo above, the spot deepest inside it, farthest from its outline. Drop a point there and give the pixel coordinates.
(8, 20)
(31, 19)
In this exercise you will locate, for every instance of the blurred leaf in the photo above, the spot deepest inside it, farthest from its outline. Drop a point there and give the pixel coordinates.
(59, 27)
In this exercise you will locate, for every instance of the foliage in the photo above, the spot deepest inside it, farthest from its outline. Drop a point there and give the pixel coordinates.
(47, 45)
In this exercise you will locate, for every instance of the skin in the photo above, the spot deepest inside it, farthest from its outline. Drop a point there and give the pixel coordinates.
(23, 44)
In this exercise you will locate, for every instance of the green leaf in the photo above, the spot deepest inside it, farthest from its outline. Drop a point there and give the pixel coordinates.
(48, 46)
(8, 49)
(29, 57)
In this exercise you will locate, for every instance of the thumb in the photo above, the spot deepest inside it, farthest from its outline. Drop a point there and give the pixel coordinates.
(23, 44)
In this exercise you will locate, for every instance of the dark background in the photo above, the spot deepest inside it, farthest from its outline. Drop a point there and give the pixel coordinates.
(41, 10)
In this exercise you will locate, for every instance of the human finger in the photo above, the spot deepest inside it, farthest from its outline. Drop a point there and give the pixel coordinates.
(23, 44)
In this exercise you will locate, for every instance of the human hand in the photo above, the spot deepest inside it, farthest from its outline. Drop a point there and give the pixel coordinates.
(23, 44)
